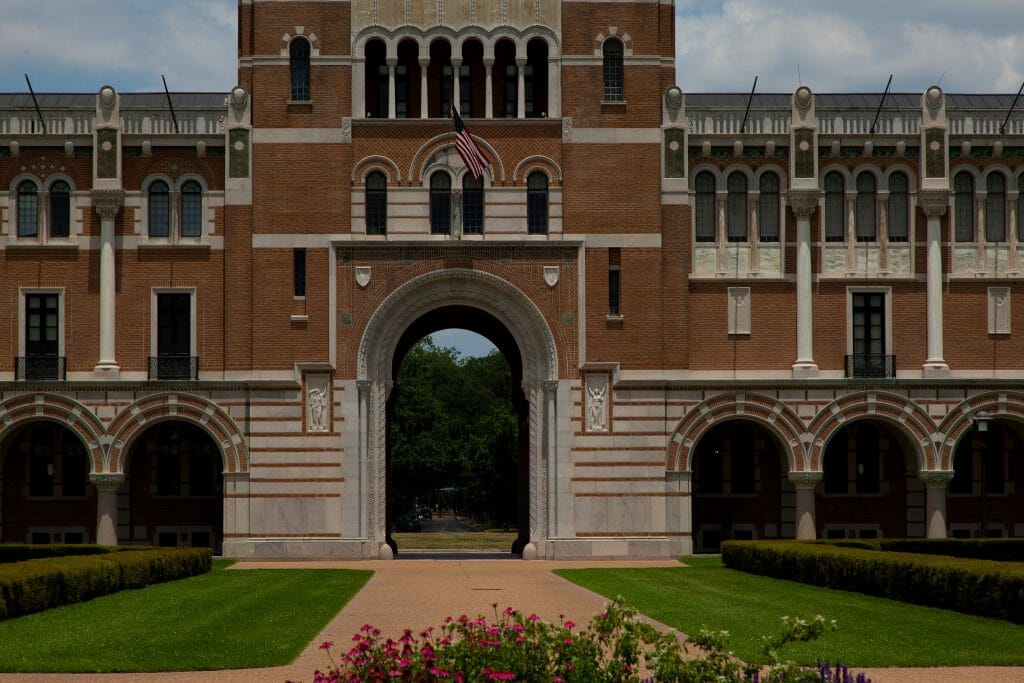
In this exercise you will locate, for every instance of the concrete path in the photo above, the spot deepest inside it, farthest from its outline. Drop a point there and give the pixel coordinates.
(418, 593)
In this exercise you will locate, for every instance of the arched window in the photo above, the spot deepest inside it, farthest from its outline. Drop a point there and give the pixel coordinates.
(898, 207)
(376, 204)
(471, 79)
(613, 52)
(191, 209)
(159, 209)
(377, 86)
(298, 53)
(537, 203)
(506, 80)
(440, 203)
(995, 208)
(704, 211)
(536, 78)
(736, 201)
(28, 209)
(472, 205)
(963, 206)
(867, 202)
(835, 220)
(440, 77)
(768, 208)
(60, 209)
(407, 80)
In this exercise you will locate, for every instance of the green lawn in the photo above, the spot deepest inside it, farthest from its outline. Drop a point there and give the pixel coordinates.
(221, 620)
(872, 632)
(467, 540)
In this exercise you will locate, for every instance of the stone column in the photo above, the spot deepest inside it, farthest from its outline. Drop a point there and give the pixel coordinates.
(804, 483)
(934, 204)
(106, 506)
(392, 98)
(424, 100)
(363, 387)
(754, 231)
(721, 207)
(851, 231)
(107, 204)
(935, 482)
(456, 86)
(1012, 236)
(489, 88)
(520, 88)
(883, 231)
(803, 203)
(979, 229)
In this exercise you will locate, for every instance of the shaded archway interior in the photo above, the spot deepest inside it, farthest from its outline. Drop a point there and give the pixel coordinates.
(489, 327)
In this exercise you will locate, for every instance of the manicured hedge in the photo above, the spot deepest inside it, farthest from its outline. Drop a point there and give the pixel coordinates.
(20, 553)
(40, 584)
(983, 587)
(998, 549)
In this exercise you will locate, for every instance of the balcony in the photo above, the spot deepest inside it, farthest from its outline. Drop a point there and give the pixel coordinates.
(871, 366)
(40, 368)
(175, 368)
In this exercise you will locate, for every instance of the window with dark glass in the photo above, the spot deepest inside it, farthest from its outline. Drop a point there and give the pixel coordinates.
(159, 209)
(768, 208)
(440, 203)
(614, 280)
(28, 209)
(834, 465)
(736, 208)
(466, 91)
(401, 91)
(42, 321)
(376, 204)
(447, 92)
(613, 52)
(704, 211)
(867, 201)
(377, 80)
(472, 205)
(174, 325)
(298, 272)
(869, 334)
(298, 53)
(995, 208)
(963, 207)
(511, 91)
(835, 221)
(898, 208)
(536, 78)
(537, 203)
(868, 459)
(60, 209)
(191, 209)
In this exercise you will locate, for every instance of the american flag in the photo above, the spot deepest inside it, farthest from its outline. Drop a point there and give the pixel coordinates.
(470, 153)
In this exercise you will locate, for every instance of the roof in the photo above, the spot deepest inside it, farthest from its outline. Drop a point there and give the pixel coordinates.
(846, 101)
(141, 100)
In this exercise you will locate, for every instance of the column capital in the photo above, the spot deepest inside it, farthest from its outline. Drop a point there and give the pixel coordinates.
(551, 386)
(934, 203)
(107, 202)
(424, 62)
(805, 480)
(935, 479)
(521, 62)
(803, 202)
(107, 481)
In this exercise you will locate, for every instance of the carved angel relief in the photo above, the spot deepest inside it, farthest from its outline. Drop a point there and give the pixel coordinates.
(317, 399)
(597, 408)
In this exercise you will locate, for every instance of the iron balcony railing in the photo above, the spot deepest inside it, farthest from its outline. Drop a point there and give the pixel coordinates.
(174, 368)
(871, 365)
(40, 368)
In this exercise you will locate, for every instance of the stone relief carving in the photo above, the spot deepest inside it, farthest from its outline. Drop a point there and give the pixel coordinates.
(597, 408)
(567, 129)
(363, 274)
(551, 274)
(346, 129)
(318, 395)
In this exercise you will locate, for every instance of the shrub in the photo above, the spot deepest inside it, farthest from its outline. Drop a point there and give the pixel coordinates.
(22, 552)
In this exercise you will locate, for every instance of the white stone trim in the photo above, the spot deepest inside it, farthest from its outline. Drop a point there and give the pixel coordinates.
(298, 136)
(616, 136)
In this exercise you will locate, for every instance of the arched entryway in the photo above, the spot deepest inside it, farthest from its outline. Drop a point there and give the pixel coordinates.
(174, 488)
(47, 496)
(869, 486)
(985, 496)
(740, 489)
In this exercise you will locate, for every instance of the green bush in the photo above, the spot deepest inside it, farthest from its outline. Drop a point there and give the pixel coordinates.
(40, 584)
(998, 549)
(20, 553)
(983, 587)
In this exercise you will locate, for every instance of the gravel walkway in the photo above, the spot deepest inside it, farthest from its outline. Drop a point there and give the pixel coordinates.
(418, 593)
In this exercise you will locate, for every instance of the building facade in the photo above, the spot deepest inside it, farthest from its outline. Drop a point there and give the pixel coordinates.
(783, 316)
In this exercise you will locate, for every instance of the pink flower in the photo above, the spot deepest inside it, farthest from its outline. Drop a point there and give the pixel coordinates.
(502, 676)
(569, 624)
(326, 645)
(567, 641)
(534, 617)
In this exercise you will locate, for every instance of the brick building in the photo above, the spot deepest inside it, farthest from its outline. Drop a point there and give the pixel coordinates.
(728, 319)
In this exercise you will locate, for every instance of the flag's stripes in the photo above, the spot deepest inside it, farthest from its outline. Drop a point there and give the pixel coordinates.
(470, 153)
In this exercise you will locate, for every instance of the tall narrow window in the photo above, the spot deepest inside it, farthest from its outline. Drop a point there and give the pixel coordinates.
(402, 91)
(869, 335)
(42, 337)
(173, 338)
(704, 211)
(376, 204)
(28, 209)
(60, 209)
(835, 219)
(736, 200)
(466, 91)
(536, 78)
(298, 53)
(472, 205)
(899, 208)
(377, 80)
(440, 203)
(867, 202)
(768, 208)
(191, 209)
(995, 208)
(511, 91)
(159, 209)
(614, 281)
(613, 52)
(447, 80)
(298, 272)
(963, 206)
(537, 203)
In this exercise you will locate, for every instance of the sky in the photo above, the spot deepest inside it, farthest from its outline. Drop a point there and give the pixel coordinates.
(969, 46)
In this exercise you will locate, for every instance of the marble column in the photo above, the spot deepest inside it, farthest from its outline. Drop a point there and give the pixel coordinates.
(805, 483)
(392, 99)
(804, 204)
(424, 100)
(489, 88)
(106, 506)
(107, 203)
(521, 89)
(456, 87)
(935, 482)
(934, 203)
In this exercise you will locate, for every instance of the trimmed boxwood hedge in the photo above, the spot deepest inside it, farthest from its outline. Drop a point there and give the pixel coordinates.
(20, 553)
(983, 587)
(998, 549)
(40, 584)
